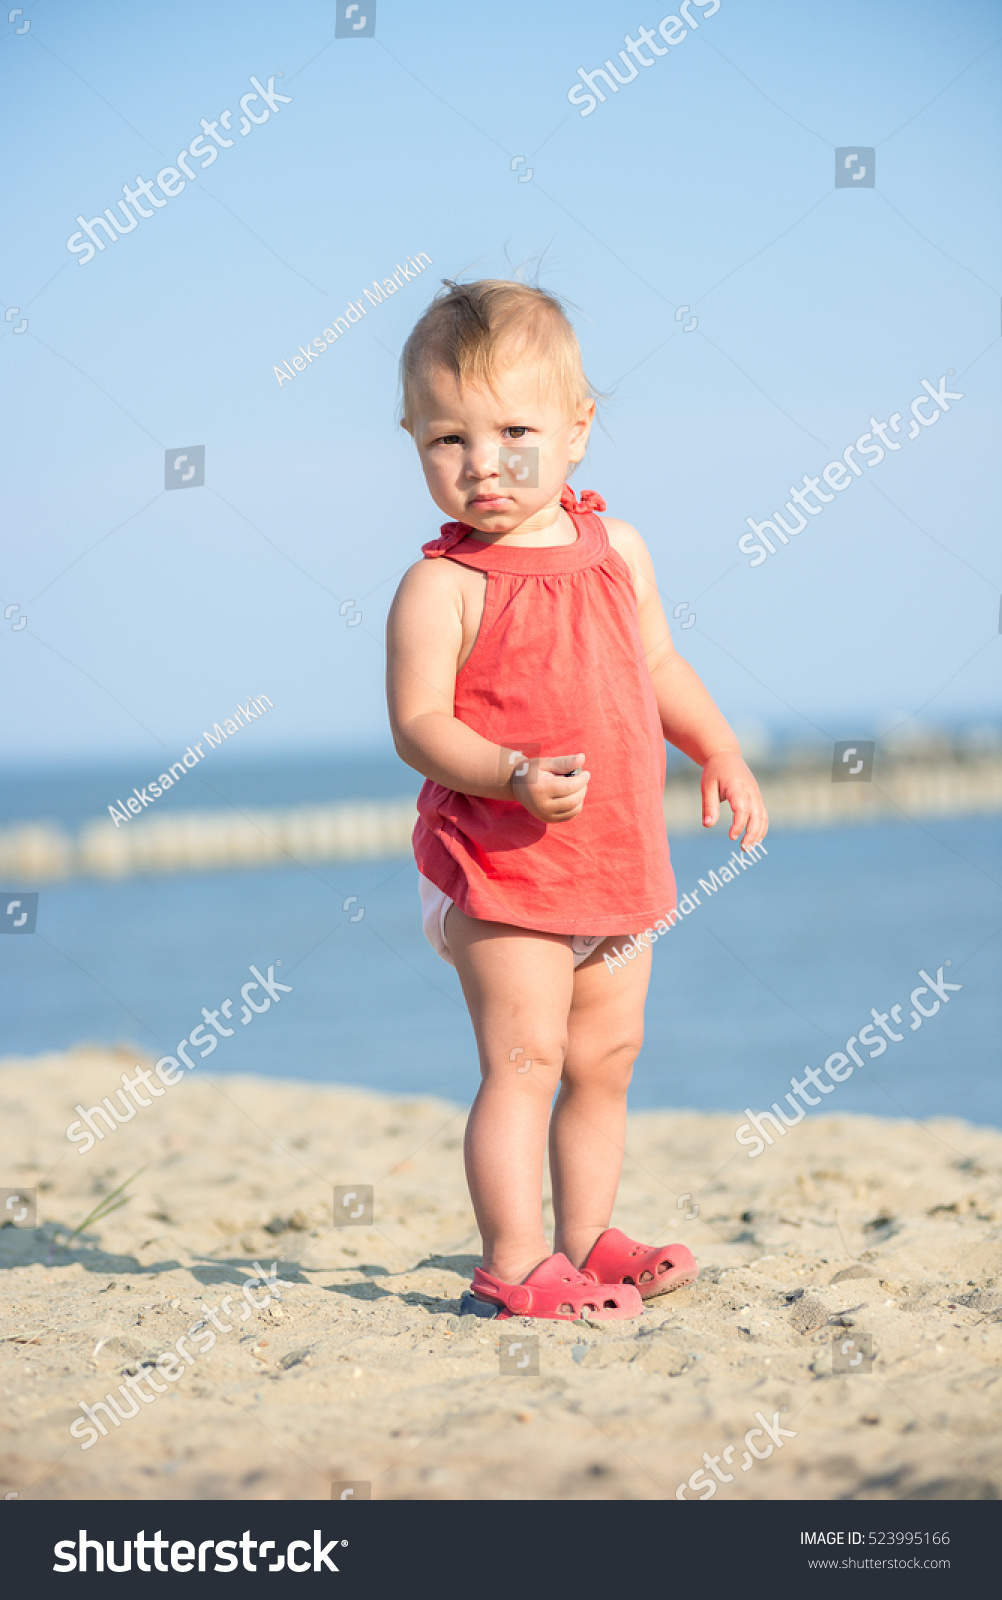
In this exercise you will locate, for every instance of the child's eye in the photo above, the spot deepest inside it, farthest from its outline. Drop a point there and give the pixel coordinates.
(517, 432)
(450, 438)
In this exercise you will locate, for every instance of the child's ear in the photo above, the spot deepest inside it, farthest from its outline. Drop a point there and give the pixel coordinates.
(580, 430)
(406, 425)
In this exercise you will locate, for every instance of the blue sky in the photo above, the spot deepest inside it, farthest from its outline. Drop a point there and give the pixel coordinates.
(707, 183)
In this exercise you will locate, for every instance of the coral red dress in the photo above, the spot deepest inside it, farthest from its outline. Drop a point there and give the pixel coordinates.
(558, 666)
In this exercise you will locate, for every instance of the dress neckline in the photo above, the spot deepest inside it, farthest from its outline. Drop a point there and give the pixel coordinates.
(590, 545)
(494, 544)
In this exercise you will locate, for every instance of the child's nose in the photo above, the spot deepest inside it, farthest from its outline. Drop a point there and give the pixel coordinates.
(482, 460)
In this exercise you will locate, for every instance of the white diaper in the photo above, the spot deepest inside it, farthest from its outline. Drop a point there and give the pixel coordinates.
(435, 905)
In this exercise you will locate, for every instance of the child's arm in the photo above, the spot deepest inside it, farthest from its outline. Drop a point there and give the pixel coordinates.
(689, 717)
(424, 643)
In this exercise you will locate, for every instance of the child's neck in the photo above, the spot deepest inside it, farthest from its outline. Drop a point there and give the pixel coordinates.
(548, 526)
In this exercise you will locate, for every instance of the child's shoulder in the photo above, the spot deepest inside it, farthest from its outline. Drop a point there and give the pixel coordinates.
(627, 542)
(622, 535)
(435, 583)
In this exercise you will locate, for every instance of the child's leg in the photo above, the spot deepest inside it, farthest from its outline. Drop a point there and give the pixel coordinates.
(518, 987)
(605, 1030)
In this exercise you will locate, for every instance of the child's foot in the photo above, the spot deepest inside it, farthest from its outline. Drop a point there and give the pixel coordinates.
(653, 1269)
(557, 1290)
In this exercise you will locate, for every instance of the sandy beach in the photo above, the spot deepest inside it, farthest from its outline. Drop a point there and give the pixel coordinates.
(853, 1240)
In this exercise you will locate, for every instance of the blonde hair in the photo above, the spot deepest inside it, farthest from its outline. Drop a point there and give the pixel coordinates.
(474, 329)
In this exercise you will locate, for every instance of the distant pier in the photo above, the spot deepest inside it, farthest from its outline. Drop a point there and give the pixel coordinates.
(219, 840)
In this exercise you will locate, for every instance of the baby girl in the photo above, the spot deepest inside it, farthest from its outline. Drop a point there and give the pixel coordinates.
(533, 682)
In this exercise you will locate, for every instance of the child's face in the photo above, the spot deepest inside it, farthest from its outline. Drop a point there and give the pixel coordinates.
(461, 434)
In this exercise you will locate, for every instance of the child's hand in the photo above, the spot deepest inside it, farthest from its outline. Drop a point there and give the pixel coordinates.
(726, 777)
(554, 795)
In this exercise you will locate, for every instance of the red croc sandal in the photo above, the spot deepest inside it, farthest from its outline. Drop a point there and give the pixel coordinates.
(654, 1269)
(556, 1290)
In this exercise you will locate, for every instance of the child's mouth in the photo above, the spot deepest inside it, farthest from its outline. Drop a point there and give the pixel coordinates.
(487, 501)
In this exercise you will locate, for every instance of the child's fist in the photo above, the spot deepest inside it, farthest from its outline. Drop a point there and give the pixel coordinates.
(557, 793)
(726, 777)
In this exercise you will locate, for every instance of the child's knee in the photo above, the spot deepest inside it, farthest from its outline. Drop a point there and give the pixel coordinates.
(610, 1069)
(539, 1062)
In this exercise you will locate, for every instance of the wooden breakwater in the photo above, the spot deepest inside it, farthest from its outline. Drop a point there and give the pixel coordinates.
(217, 840)
(198, 841)
(807, 798)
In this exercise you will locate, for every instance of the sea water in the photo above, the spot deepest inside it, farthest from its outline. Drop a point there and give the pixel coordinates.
(771, 972)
